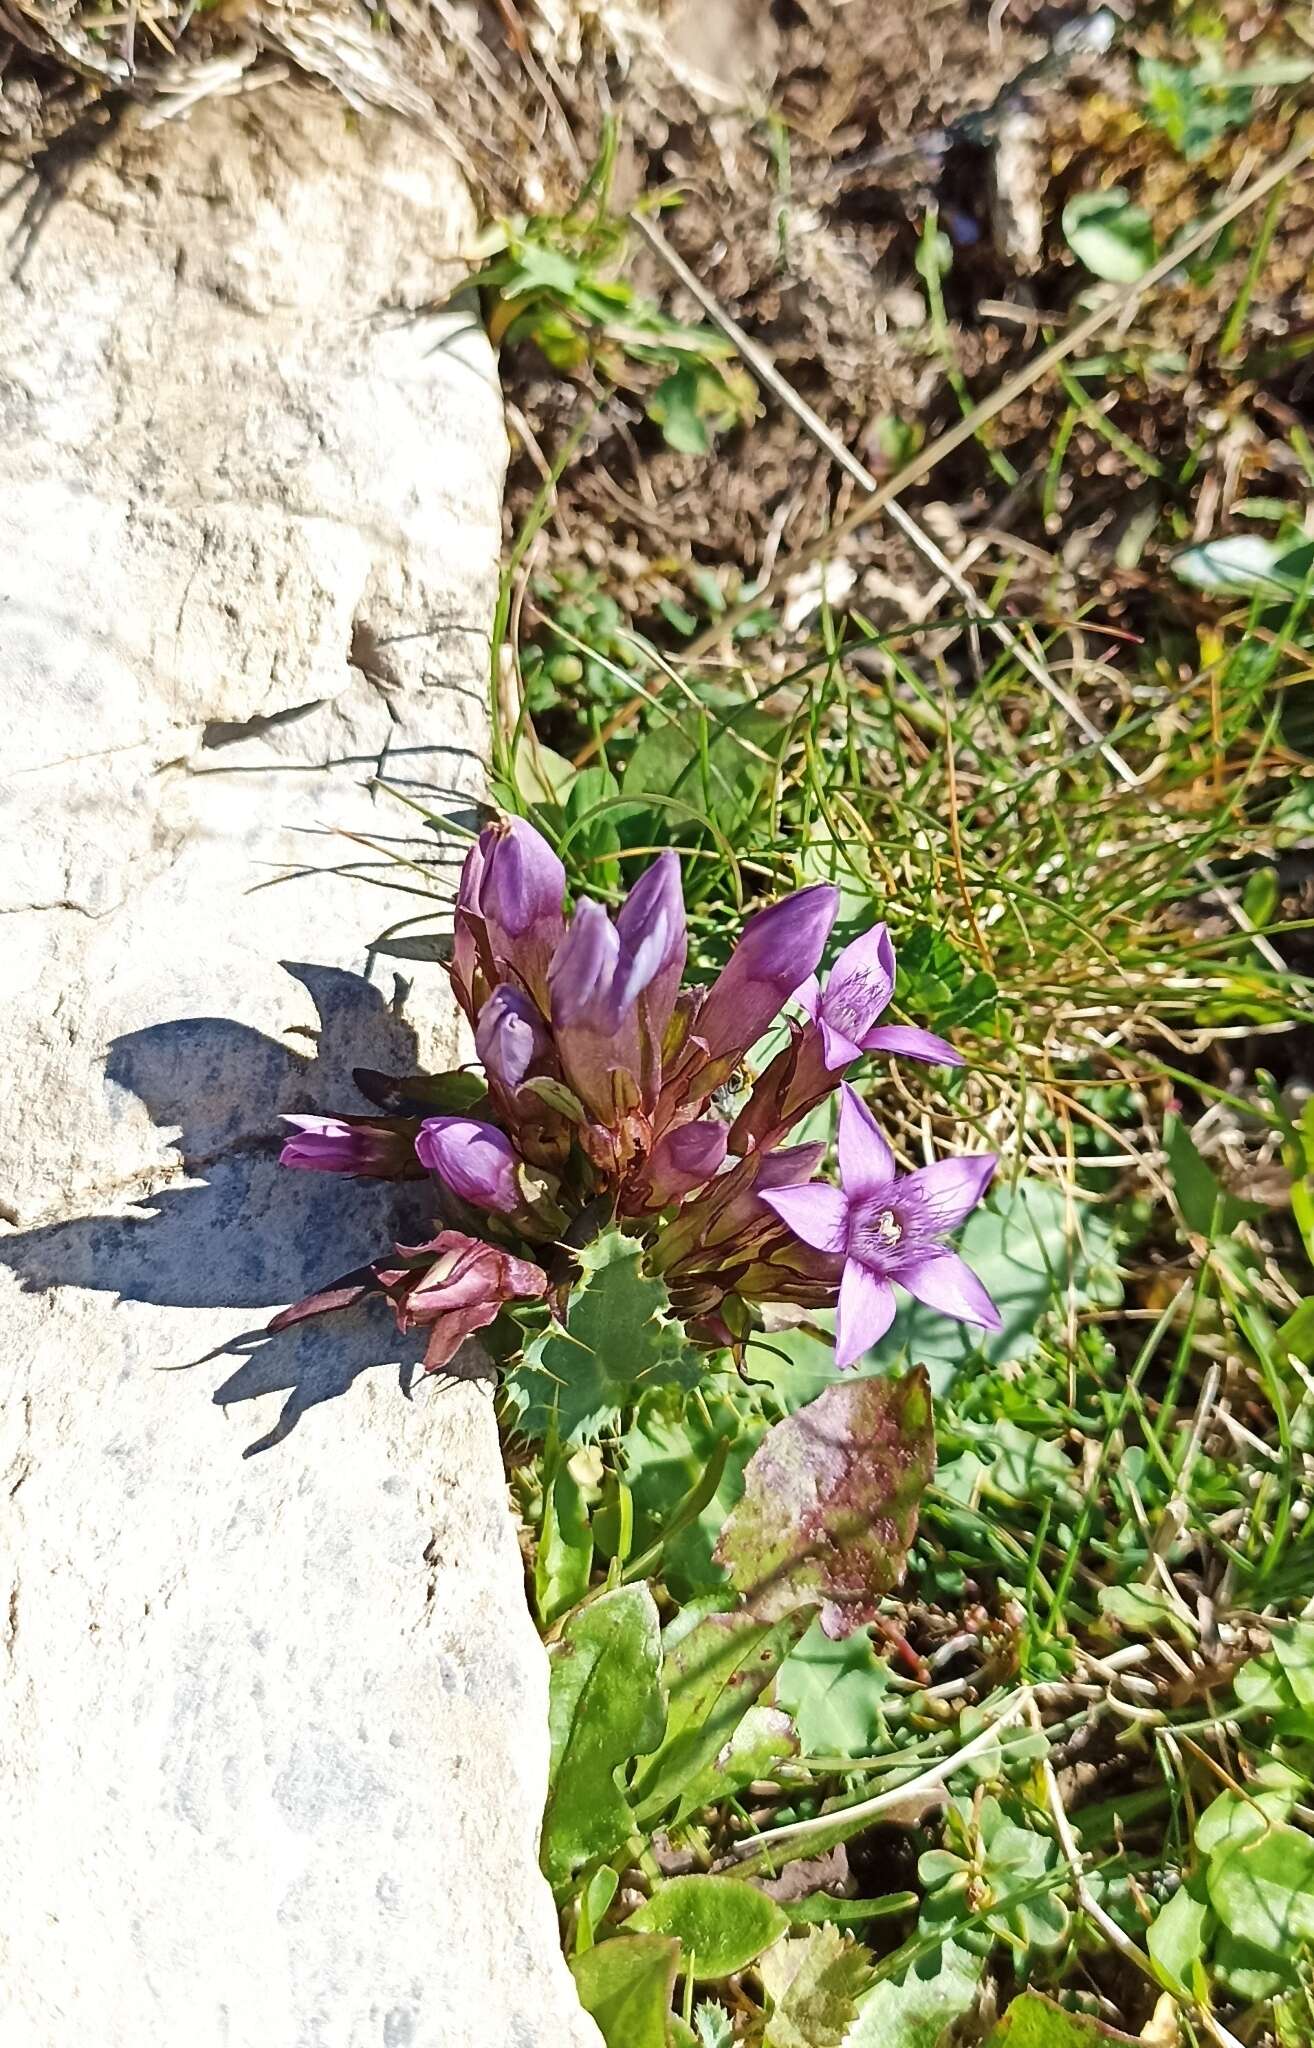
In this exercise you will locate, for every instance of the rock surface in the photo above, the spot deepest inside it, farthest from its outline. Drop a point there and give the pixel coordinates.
(274, 1711)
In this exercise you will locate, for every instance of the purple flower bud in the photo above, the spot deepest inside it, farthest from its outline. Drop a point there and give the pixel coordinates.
(511, 1037)
(682, 1160)
(779, 949)
(472, 875)
(473, 1159)
(586, 978)
(522, 883)
(334, 1144)
(650, 926)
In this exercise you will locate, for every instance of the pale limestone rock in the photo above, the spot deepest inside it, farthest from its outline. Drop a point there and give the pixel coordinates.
(274, 1713)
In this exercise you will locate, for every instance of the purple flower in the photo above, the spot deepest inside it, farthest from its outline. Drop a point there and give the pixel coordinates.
(858, 989)
(511, 1038)
(462, 1290)
(473, 1159)
(522, 883)
(682, 1160)
(335, 1144)
(779, 949)
(888, 1227)
(650, 926)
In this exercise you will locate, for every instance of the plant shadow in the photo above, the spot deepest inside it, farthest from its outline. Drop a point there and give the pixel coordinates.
(245, 1233)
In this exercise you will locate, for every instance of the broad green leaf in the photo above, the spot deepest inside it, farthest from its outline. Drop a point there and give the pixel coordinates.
(605, 1706)
(834, 1692)
(762, 1739)
(830, 1502)
(721, 1922)
(1248, 1972)
(1178, 1935)
(1111, 236)
(1263, 1891)
(564, 1554)
(618, 1341)
(1231, 1819)
(1191, 106)
(914, 2011)
(720, 763)
(626, 1985)
(820, 2002)
(712, 1674)
(1035, 2022)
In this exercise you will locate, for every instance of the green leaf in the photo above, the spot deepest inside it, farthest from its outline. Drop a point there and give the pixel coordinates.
(1113, 238)
(719, 764)
(1145, 1611)
(563, 1558)
(1200, 1194)
(1231, 1819)
(830, 1502)
(762, 1739)
(617, 1341)
(1177, 1937)
(1035, 2022)
(594, 1900)
(697, 401)
(666, 1449)
(1237, 565)
(834, 1691)
(915, 2010)
(713, 1674)
(1263, 1890)
(819, 1909)
(820, 2001)
(605, 1706)
(1248, 1972)
(712, 2027)
(626, 1985)
(1192, 108)
(722, 1922)
(1294, 1650)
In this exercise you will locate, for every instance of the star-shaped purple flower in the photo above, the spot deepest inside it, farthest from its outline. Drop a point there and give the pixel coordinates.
(888, 1226)
(857, 991)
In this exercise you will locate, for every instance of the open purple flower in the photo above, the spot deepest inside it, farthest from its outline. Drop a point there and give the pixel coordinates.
(857, 991)
(888, 1227)
(474, 1160)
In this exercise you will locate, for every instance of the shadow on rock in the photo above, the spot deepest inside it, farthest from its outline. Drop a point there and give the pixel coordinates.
(251, 1235)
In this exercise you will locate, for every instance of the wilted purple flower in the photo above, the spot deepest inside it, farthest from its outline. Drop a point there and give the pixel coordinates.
(777, 951)
(335, 1144)
(460, 1290)
(473, 1159)
(858, 988)
(511, 1038)
(682, 1160)
(888, 1227)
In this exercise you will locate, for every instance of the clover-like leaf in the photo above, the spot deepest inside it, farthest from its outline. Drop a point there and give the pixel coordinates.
(830, 1503)
(605, 1706)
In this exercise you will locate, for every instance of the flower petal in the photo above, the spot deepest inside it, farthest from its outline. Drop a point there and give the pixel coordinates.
(945, 1282)
(909, 1042)
(860, 983)
(837, 1050)
(951, 1188)
(808, 995)
(865, 1160)
(866, 1310)
(818, 1213)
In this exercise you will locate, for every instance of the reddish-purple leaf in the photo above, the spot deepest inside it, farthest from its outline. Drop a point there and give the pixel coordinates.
(830, 1502)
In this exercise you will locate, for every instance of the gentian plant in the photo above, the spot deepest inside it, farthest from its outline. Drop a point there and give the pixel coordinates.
(612, 1096)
